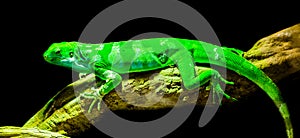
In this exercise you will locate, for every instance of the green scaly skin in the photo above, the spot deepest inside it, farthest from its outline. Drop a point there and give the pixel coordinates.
(109, 60)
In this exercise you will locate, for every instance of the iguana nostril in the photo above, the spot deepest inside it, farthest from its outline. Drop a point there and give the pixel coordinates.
(45, 57)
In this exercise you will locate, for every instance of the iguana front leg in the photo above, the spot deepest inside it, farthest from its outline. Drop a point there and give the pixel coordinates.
(111, 78)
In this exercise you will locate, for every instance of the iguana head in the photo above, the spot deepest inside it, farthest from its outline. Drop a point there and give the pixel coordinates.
(61, 54)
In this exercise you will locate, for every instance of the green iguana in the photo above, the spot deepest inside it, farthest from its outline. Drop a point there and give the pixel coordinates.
(109, 60)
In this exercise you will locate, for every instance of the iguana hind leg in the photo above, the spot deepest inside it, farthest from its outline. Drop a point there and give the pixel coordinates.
(215, 80)
(192, 81)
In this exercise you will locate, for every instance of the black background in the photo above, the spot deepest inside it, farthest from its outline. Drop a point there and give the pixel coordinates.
(28, 82)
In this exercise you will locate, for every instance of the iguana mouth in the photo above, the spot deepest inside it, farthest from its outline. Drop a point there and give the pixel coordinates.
(58, 60)
(51, 58)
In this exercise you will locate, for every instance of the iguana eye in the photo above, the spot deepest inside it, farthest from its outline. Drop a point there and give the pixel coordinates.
(71, 54)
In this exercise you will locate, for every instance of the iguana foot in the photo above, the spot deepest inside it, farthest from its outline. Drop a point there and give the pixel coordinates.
(95, 96)
(217, 91)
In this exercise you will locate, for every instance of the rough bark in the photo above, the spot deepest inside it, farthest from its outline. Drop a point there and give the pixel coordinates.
(277, 54)
(19, 132)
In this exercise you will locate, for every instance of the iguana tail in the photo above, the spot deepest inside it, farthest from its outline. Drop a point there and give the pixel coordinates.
(212, 54)
(247, 69)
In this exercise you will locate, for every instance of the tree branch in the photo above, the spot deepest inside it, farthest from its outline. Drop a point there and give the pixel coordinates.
(278, 55)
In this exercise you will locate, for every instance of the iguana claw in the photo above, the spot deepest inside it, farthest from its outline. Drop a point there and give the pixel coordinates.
(217, 90)
(95, 96)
